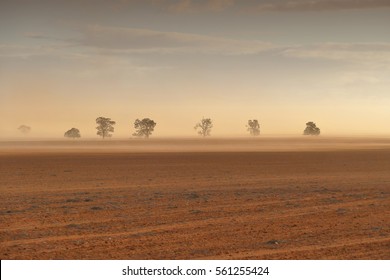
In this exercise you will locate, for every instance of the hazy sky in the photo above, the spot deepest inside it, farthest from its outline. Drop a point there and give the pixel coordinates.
(283, 62)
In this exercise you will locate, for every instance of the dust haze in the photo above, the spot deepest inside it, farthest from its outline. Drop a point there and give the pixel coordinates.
(192, 144)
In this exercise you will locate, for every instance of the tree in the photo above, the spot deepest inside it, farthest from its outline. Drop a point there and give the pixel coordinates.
(253, 127)
(72, 133)
(24, 129)
(205, 126)
(105, 126)
(144, 127)
(311, 129)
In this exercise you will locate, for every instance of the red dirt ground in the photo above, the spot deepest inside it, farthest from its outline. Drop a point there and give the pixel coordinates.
(311, 201)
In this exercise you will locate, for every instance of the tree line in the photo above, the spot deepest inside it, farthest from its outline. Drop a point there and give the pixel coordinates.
(145, 127)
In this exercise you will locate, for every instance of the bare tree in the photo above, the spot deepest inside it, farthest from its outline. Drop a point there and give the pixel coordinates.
(105, 126)
(144, 127)
(24, 129)
(311, 129)
(72, 133)
(204, 126)
(253, 127)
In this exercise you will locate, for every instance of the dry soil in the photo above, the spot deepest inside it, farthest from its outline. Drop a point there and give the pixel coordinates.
(196, 199)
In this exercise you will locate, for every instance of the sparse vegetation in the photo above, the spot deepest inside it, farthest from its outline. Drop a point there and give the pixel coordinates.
(311, 129)
(144, 127)
(105, 126)
(253, 127)
(204, 127)
(72, 133)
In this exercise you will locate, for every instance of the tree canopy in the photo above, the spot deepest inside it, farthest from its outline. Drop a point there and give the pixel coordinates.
(311, 129)
(24, 129)
(204, 127)
(144, 127)
(253, 127)
(72, 133)
(105, 126)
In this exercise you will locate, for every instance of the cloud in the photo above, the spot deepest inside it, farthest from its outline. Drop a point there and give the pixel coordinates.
(192, 6)
(30, 50)
(359, 78)
(316, 5)
(132, 40)
(19, 51)
(370, 54)
(255, 6)
(175, 6)
(106, 40)
(200, 6)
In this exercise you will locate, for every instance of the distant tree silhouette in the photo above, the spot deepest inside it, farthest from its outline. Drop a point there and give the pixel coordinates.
(72, 133)
(204, 126)
(105, 126)
(24, 129)
(253, 127)
(144, 127)
(311, 129)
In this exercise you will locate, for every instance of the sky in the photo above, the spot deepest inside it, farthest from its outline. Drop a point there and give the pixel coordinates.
(283, 62)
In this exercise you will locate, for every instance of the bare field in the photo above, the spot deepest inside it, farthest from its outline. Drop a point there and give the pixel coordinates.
(287, 198)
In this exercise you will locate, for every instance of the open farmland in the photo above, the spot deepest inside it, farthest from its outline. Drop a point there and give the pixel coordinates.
(196, 199)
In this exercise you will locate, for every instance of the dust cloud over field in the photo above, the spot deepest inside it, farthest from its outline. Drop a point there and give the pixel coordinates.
(244, 198)
(243, 144)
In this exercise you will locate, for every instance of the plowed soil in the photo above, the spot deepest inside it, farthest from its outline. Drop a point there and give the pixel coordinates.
(295, 200)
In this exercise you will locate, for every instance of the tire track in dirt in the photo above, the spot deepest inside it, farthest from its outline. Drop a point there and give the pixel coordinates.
(278, 253)
(318, 202)
(248, 217)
